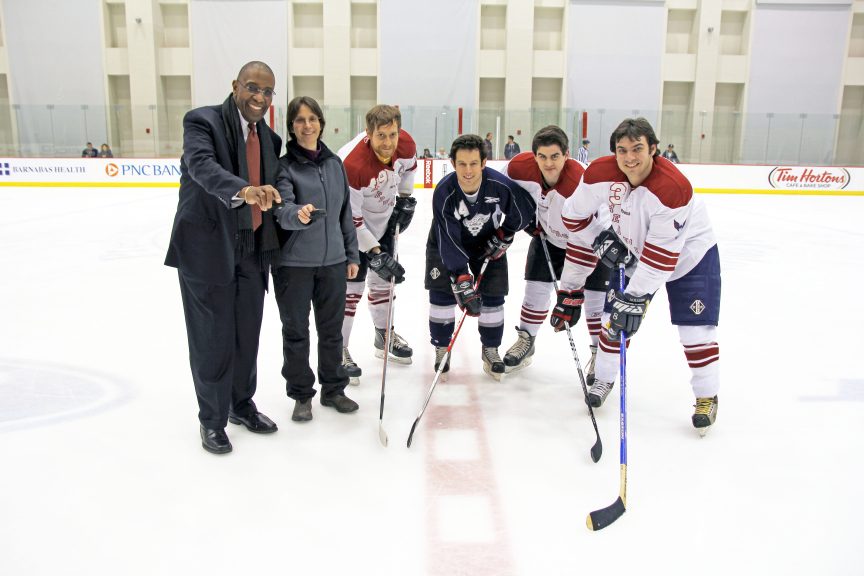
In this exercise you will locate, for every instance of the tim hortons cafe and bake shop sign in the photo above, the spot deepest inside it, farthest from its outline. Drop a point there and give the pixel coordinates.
(809, 178)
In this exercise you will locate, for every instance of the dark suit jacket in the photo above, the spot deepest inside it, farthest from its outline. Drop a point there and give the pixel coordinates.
(206, 233)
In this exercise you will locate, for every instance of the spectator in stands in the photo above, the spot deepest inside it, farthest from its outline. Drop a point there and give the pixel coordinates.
(582, 154)
(511, 149)
(89, 152)
(488, 143)
(427, 153)
(105, 152)
(442, 154)
(670, 155)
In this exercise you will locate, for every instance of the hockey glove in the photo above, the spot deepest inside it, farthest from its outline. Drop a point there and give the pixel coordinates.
(498, 244)
(534, 228)
(463, 289)
(568, 309)
(609, 249)
(627, 314)
(386, 267)
(402, 214)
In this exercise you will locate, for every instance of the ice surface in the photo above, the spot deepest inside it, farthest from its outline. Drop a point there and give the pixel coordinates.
(102, 472)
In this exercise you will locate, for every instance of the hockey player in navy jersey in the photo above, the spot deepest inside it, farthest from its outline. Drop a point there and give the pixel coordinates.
(663, 226)
(476, 211)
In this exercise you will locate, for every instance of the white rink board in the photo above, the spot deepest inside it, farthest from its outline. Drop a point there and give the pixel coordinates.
(165, 172)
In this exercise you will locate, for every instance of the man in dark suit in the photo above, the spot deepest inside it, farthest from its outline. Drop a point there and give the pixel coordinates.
(223, 242)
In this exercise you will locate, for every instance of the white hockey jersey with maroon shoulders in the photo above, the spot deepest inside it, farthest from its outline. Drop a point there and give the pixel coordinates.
(662, 221)
(374, 184)
(524, 170)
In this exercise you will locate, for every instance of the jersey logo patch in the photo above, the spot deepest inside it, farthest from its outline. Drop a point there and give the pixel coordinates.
(610, 296)
(491, 200)
(678, 226)
(476, 223)
(434, 273)
(697, 307)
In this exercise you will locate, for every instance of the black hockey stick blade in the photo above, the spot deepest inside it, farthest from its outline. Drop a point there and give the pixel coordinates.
(597, 450)
(602, 518)
(411, 435)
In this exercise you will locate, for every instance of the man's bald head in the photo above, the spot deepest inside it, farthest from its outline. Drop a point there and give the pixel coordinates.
(254, 65)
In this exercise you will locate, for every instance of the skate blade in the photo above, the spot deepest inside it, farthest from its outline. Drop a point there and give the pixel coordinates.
(703, 431)
(353, 381)
(395, 359)
(497, 376)
(525, 363)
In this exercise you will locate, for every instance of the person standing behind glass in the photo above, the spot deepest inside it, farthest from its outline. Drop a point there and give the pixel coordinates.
(105, 152)
(315, 265)
(89, 151)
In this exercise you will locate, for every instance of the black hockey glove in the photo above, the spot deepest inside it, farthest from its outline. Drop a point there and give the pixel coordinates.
(534, 228)
(498, 244)
(402, 214)
(386, 267)
(627, 314)
(463, 289)
(568, 309)
(609, 249)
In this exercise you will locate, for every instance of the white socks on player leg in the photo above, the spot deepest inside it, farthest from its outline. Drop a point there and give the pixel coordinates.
(535, 305)
(592, 312)
(703, 357)
(353, 294)
(607, 365)
(379, 298)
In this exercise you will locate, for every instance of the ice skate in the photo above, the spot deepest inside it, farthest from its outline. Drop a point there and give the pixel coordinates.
(521, 353)
(492, 363)
(589, 370)
(400, 352)
(705, 415)
(598, 393)
(351, 368)
(439, 355)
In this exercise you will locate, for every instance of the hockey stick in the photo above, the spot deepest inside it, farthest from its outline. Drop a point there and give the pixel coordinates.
(597, 449)
(446, 356)
(382, 435)
(600, 519)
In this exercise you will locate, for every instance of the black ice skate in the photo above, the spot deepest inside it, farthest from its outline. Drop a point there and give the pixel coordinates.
(400, 352)
(354, 371)
(598, 392)
(589, 370)
(705, 415)
(492, 363)
(520, 354)
(439, 355)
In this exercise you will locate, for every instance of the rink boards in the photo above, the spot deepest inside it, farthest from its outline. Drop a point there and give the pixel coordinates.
(165, 172)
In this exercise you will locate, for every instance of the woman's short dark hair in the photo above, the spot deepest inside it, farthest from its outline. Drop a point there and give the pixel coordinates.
(468, 142)
(548, 136)
(294, 109)
(106, 146)
(634, 129)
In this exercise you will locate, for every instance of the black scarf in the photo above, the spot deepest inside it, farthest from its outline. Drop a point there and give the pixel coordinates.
(268, 239)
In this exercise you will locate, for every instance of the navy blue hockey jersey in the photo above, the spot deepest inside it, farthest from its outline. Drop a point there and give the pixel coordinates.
(461, 229)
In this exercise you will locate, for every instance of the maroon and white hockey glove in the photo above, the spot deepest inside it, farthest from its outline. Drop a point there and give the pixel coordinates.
(568, 309)
(463, 289)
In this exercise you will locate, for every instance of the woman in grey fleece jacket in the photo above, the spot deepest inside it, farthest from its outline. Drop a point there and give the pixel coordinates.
(315, 264)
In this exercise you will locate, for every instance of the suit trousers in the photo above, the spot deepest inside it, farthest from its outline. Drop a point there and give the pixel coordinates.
(323, 288)
(223, 325)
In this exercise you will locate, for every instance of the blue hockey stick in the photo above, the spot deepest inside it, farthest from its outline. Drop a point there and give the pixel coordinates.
(600, 519)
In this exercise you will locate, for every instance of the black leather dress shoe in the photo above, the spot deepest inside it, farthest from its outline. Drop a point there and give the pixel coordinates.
(255, 422)
(215, 441)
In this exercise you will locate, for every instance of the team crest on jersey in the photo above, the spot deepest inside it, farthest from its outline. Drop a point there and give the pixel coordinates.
(491, 200)
(611, 295)
(476, 223)
(697, 307)
(678, 226)
(434, 273)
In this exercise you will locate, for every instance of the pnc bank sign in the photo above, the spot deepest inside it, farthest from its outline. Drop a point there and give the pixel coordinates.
(807, 178)
(157, 170)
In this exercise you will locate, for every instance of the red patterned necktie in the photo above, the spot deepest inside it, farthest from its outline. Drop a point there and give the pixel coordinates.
(253, 163)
